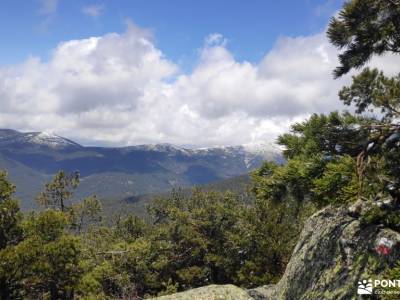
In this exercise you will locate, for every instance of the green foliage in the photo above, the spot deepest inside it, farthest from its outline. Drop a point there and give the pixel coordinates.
(10, 235)
(206, 237)
(104, 281)
(7, 189)
(131, 228)
(373, 215)
(338, 183)
(45, 264)
(326, 135)
(333, 159)
(365, 28)
(198, 227)
(10, 231)
(59, 191)
(379, 215)
(195, 239)
(266, 239)
(370, 90)
(392, 273)
(321, 162)
(87, 212)
(48, 225)
(55, 270)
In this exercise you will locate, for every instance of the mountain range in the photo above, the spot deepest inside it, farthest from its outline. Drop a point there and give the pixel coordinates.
(32, 158)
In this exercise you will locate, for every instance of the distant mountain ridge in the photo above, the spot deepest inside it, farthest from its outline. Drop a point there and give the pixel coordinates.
(13, 137)
(32, 158)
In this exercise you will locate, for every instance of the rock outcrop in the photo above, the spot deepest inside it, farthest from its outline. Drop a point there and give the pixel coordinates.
(334, 252)
(211, 292)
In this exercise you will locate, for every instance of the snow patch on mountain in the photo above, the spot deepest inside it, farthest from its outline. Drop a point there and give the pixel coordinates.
(268, 151)
(251, 154)
(49, 139)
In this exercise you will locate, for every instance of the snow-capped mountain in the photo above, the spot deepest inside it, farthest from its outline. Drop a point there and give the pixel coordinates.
(50, 140)
(34, 157)
(12, 137)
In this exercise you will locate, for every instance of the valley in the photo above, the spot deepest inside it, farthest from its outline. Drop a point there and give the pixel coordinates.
(115, 174)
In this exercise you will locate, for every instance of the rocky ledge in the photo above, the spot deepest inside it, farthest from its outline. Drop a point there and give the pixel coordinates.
(334, 252)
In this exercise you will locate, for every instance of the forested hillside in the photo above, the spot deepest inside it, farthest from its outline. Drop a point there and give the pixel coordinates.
(117, 173)
(240, 186)
(343, 166)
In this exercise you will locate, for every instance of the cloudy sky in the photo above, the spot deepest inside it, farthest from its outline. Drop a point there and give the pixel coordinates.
(195, 73)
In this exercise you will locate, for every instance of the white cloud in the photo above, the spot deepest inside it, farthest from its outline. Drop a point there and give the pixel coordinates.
(215, 39)
(48, 7)
(93, 10)
(120, 89)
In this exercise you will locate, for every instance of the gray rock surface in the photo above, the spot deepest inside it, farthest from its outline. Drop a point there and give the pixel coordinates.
(333, 253)
(211, 292)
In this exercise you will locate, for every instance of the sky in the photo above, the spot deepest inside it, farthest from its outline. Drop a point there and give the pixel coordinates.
(200, 73)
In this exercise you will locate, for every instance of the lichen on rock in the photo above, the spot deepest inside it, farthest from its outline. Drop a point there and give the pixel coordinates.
(334, 252)
(211, 292)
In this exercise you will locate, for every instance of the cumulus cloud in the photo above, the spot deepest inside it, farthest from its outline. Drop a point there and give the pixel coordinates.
(215, 39)
(119, 89)
(93, 10)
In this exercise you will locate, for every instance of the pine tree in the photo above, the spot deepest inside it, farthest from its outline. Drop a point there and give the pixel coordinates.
(365, 28)
(59, 191)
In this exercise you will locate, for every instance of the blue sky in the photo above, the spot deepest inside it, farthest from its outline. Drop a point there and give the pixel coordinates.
(35, 27)
(194, 72)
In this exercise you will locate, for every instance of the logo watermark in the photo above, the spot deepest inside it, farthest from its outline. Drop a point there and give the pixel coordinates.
(378, 286)
(365, 287)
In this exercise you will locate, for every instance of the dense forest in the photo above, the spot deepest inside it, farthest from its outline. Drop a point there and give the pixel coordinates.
(67, 251)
